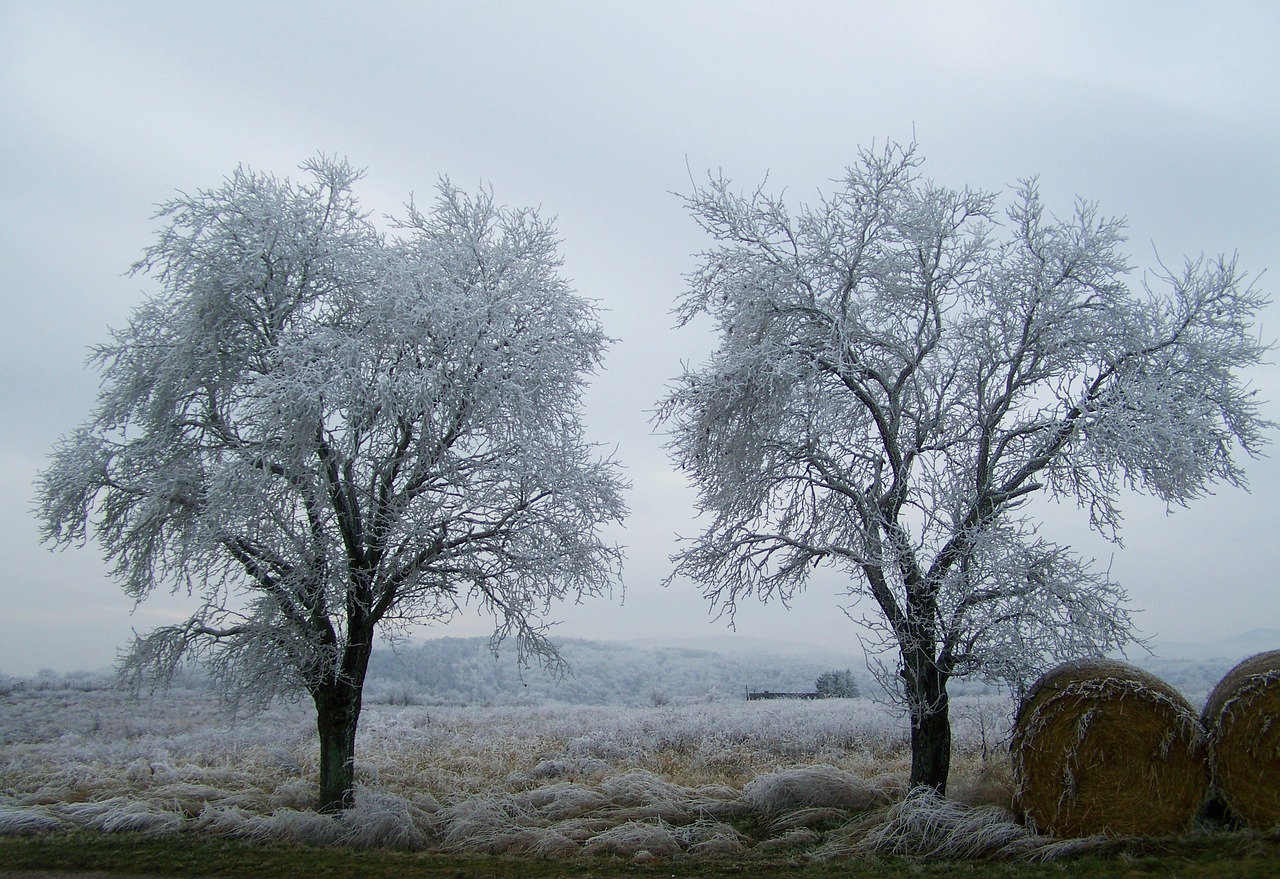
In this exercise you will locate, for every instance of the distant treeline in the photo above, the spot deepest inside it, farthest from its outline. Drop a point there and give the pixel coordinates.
(464, 671)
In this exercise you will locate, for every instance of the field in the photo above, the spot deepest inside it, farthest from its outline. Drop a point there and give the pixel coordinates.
(802, 783)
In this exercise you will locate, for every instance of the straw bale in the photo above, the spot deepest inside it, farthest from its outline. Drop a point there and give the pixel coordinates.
(1103, 747)
(1242, 722)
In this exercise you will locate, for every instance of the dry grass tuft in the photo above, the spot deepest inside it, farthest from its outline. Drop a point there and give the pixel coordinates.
(1242, 722)
(657, 838)
(798, 838)
(926, 824)
(990, 783)
(121, 815)
(811, 787)
(26, 822)
(1102, 747)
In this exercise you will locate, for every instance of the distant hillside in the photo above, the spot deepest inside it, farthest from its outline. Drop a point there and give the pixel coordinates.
(462, 670)
(1194, 668)
(654, 671)
(1230, 650)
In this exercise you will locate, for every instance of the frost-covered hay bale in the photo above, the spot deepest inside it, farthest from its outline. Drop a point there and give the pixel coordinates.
(1242, 723)
(1102, 747)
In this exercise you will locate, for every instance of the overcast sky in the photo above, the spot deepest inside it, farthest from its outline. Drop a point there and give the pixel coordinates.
(1166, 113)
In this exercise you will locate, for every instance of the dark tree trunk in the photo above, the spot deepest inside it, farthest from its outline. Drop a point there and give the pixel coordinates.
(337, 714)
(930, 722)
(931, 746)
(338, 702)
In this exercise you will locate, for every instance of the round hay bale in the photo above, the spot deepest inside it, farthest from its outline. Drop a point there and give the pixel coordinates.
(1242, 723)
(1102, 747)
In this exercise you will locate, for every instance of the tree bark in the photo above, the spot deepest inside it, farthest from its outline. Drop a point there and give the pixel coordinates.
(930, 722)
(338, 702)
(931, 747)
(337, 715)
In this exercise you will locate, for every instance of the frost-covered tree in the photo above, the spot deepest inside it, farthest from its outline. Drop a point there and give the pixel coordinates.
(836, 685)
(322, 432)
(900, 369)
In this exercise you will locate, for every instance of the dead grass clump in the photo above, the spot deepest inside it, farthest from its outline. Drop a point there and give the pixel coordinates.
(1103, 747)
(711, 839)
(807, 818)
(26, 822)
(641, 795)
(190, 799)
(561, 802)
(927, 824)
(552, 844)
(488, 825)
(800, 837)
(294, 793)
(811, 787)
(989, 784)
(382, 820)
(633, 838)
(301, 826)
(232, 821)
(123, 815)
(1242, 723)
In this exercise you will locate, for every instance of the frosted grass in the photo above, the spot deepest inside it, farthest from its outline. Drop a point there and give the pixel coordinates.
(543, 780)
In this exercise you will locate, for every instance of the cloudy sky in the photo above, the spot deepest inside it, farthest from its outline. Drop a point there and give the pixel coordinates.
(1166, 113)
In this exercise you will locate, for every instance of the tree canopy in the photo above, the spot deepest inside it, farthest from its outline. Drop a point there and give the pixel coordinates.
(901, 368)
(319, 430)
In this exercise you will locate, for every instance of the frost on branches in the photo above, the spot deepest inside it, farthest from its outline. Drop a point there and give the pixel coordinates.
(900, 369)
(320, 431)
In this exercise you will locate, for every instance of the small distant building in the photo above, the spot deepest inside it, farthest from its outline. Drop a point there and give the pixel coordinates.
(753, 695)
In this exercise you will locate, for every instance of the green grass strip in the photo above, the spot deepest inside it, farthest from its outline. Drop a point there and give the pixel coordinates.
(1200, 856)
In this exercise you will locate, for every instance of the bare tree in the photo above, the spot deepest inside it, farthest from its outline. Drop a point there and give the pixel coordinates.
(321, 432)
(900, 369)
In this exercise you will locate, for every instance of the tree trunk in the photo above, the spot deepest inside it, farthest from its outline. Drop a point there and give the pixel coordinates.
(337, 715)
(931, 746)
(930, 721)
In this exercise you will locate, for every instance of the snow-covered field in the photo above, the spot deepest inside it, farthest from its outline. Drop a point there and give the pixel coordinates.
(542, 779)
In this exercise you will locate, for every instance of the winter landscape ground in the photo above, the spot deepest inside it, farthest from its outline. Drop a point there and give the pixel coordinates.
(707, 778)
